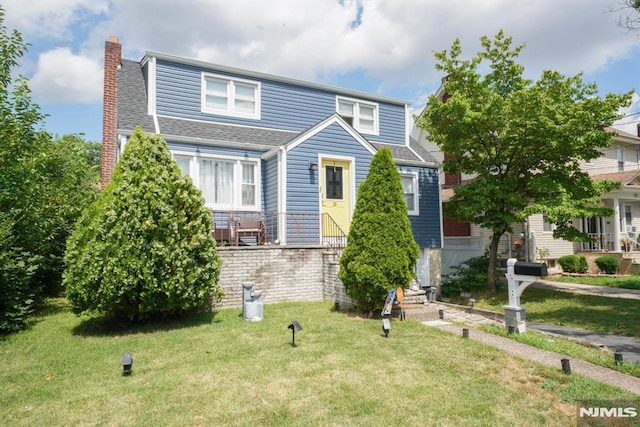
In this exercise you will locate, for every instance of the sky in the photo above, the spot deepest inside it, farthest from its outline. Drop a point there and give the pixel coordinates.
(384, 47)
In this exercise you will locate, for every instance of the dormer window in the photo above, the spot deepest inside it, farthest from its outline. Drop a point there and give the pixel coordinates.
(363, 116)
(230, 97)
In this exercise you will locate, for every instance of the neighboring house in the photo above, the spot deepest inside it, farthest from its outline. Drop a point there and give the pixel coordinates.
(533, 240)
(278, 160)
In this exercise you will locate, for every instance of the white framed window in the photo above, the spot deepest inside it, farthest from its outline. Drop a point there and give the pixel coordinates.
(363, 116)
(620, 157)
(230, 96)
(225, 182)
(410, 187)
(546, 225)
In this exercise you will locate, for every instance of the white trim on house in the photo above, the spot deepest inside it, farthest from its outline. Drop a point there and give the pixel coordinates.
(335, 118)
(231, 95)
(416, 191)
(356, 115)
(237, 162)
(282, 194)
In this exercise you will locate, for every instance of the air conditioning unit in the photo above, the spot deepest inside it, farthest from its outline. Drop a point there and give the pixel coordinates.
(631, 229)
(631, 235)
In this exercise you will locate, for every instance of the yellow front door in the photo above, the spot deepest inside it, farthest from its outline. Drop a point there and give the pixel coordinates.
(335, 180)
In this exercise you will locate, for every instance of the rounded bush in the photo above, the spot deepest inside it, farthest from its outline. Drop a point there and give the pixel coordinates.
(608, 264)
(573, 264)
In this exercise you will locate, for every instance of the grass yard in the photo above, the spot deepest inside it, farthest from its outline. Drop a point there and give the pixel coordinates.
(222, 370)
(599, 314)
(626, 282)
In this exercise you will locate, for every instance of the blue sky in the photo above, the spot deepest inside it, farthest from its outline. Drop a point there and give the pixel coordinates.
(378, 46)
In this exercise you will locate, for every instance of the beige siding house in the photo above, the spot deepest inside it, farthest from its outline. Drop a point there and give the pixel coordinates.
(533, 240)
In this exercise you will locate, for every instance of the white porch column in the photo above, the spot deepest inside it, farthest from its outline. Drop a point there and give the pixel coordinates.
(616, 225)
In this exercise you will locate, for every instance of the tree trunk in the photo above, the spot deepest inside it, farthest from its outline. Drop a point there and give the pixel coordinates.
(493, 262)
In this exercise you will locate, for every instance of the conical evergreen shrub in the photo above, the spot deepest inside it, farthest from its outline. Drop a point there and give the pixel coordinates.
(381, 252)
(144, 248)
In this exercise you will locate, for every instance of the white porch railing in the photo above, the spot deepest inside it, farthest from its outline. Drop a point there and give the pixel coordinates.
(601, 242)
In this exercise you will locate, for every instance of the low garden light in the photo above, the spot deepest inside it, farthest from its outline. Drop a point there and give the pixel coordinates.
(294, 326)
(386, 327)
(127, 363)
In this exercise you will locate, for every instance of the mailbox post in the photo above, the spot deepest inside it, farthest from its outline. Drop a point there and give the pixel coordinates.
(519, 276)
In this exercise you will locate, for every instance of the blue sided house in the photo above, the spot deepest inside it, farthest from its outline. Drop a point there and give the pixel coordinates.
(278, 160)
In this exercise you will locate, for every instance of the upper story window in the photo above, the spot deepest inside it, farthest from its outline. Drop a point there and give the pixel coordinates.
(230, 96)
(546, 225)
(226, 183)
(410, 186)
(363, 116)
(620, 156)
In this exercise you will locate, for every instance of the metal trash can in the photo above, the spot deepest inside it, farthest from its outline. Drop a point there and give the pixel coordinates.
(433, 292)
(252, 306)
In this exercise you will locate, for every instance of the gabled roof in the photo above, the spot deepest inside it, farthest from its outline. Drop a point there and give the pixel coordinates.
(132, 108)
(272, 77)
(132, 112)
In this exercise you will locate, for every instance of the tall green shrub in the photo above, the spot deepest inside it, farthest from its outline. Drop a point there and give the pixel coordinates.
(144, 248)
(381, 253)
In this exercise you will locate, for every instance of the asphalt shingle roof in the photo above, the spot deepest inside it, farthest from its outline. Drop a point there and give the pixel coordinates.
(132, 112)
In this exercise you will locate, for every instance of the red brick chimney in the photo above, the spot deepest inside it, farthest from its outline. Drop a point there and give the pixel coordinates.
(112, 62)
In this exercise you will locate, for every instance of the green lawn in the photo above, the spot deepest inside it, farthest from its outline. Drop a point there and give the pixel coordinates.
(626, 282)
(222, 370)
(599, 314)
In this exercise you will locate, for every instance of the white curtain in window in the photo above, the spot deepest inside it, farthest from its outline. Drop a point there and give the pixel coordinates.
(216, 181)
(183, 163)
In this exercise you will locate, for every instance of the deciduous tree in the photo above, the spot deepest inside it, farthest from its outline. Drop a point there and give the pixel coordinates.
(44, 185)
(522, 140)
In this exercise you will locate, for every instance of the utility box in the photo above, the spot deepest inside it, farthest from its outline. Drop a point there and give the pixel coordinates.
(537, 269)
(252, 306)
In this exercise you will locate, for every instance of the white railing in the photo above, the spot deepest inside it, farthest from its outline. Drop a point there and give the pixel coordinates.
(600, 242)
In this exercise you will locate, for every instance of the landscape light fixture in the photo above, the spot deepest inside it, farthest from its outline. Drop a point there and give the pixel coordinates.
(472, 301)
(313, 166)
(294, 326)
(127, 362)
(386, 327)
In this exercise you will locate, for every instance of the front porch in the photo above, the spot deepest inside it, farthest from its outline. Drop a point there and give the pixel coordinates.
(260, 228)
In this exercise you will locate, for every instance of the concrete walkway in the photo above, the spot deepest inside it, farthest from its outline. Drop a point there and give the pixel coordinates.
(628, 347)
(452, 318)
(577, 288)
(586, 369)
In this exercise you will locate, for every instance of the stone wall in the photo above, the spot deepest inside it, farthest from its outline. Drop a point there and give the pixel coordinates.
(282, 273)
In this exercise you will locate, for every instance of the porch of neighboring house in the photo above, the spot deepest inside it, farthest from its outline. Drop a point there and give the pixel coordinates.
(251, 228)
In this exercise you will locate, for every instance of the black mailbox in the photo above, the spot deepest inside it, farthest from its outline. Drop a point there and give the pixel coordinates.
(530, 269)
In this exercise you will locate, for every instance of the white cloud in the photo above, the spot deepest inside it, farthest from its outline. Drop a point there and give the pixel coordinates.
(63, 77)
(50, 18)
(316, 39)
